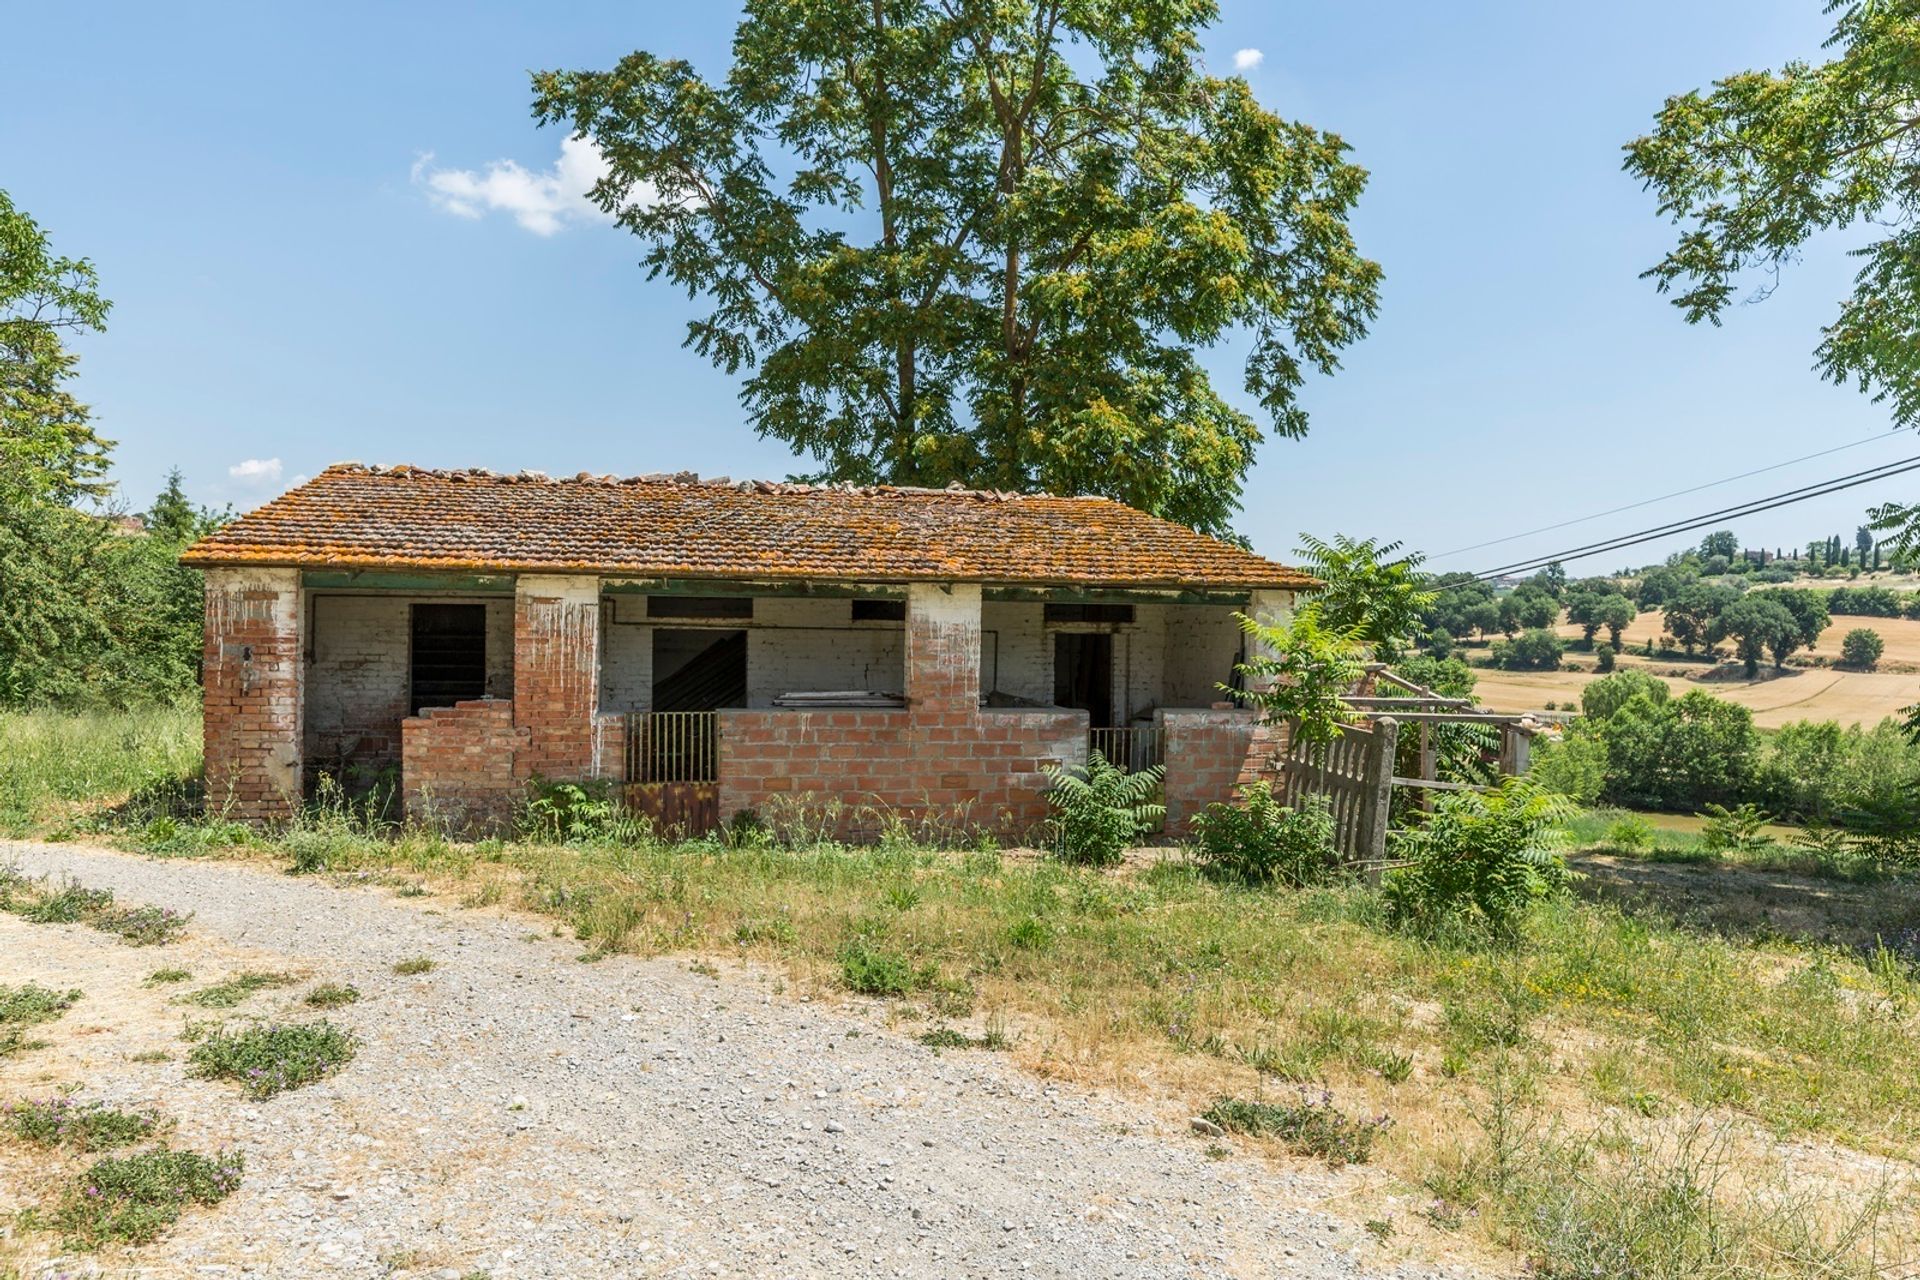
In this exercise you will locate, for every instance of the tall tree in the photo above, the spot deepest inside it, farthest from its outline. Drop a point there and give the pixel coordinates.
(980, 240)
(1368, 590)
(48, 447)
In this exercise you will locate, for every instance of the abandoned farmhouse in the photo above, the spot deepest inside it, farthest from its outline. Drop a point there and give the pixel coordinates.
(713, 647)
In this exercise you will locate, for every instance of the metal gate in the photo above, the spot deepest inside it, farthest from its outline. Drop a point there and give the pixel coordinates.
(673, 769)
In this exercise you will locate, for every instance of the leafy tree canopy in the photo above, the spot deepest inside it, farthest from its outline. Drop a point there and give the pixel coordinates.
(1764, 161)
(980, 240)
(48, 450)
(1369, 590)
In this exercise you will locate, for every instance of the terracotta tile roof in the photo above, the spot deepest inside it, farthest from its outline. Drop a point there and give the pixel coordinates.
(355, 517)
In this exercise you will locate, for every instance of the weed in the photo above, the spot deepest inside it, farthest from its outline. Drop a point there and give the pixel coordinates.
(1030, 933)
(164, 977)
(25, 1006)
(1379, 1228)
(274, 1057)
(1311, 1127)
(331, 995)
(142, 926)
(82, 1126)
(944, 1037)
(151, 1055)
(872, 971)
(69, 904)
(133, 1199)
(417, 964)
(227, 994)
(1099, 809)
(1260, 841)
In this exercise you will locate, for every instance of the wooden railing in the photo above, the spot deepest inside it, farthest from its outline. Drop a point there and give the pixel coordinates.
(673, 746)
(1132, 749)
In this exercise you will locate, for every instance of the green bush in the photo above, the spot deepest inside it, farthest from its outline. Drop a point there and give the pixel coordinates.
(1313, 1126)
(1602, 698)
(874, 971)
(1480, 861)
(1631, 834)
(1739, 830)
(132, 1199)
(1099, 809)
(1862, 647)
(1603, 658)
(1573, 765)
(83, 1126)
(1260, 841)
(1536, 649)
(272, 1058)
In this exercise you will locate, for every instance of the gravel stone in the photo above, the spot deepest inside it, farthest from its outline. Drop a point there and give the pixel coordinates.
(519, 1113)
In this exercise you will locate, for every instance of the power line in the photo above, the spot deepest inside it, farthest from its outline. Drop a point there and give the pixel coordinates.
(1755, 507)
(1666, 497)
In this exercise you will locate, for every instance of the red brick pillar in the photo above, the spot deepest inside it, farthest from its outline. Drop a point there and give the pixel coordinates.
(556, 675)
(252, 666)
(943, 653)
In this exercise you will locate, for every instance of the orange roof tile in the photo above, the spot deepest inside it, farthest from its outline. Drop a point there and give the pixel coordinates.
(356, 517)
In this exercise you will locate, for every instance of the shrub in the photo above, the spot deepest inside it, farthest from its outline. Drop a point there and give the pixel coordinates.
(1480, 859)
(83, 1126)
(1312, 1126)
(570, 813)
(132, 1199)
(70, 904)
(873, 971)
(142, 926)
(1573, 765)
(1631, 834)
(274, 1057)
(26, 1005)
(1734, 830)
(1261, 841)
(1603, 658)
(1537, 649)
(1099, 809)
(1862, 647)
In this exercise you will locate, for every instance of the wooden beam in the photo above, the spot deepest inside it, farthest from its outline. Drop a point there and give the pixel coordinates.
(381, 580)
(1116, 595)
(724, 587)
(1465, 717)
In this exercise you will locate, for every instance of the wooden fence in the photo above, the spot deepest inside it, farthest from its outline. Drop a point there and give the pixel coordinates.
(1355, 774)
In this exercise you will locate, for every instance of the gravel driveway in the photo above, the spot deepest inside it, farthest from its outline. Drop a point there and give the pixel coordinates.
(522, 1114)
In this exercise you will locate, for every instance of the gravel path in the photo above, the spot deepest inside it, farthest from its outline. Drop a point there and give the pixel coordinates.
(519, 1113)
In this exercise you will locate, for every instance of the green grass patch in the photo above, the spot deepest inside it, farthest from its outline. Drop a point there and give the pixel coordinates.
(166, 977)
(52, 762)
(415, 965)
(142, 926)
(79, 1126)
(131, 1200)
(271, 1058)
(1308, 1126)
(331, 995)
(230, 992)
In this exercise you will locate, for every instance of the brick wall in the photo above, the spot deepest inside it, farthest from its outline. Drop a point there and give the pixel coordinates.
(251, 661)
(556, 673)
(1210, 755)
(458, 765)
(358, 681)
(979, 770)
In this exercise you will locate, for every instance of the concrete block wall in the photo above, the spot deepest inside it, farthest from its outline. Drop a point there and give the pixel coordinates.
(357, 673)
(461, 766)
(252, 669)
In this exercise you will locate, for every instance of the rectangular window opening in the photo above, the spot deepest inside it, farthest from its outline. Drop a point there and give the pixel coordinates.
(879, 610)
(448, 655)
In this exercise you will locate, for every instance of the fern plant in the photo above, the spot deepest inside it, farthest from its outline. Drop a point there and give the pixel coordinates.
(1099, 809)
(1739, 830)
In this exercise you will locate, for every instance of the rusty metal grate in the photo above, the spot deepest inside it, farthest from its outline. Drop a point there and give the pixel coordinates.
(673, 746)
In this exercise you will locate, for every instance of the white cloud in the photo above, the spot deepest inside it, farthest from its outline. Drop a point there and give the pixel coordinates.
(543, 202)
(256, 472)
(1248, 59)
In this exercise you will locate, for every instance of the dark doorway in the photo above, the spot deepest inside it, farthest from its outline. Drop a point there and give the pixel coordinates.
(448, 661)
(699, 670)
(1083, 675)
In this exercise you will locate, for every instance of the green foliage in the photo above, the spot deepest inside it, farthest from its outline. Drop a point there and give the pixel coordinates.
(132, 1199)
(1313, 1126)
(1260, 841)
(873, 970)
(1368, 591)
(1690, 615)
(1809, 610)
(570, 813)
(1098, 809)
(1862, 647)
(331, 995)
(31, 1003)
(271, 1058)
(1679, 753)
(1479, 861)
(50, 761)
(981, 243)
(1300, 673)
(414, 966)
(1600, 699)
(59, 1121)
(1574, 765)
(1765, 161)
(1537, 649)
(1737, 830)
(142, 926)
(1759, 625)
(1630, 834)
(230, 992)
(1603, 659)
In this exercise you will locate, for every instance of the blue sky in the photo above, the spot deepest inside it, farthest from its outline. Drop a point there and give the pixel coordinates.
(315, 255)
